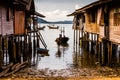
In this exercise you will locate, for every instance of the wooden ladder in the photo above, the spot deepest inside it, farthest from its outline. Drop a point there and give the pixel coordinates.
(41, 39)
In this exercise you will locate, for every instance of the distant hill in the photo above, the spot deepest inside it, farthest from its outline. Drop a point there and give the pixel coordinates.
(57, 22)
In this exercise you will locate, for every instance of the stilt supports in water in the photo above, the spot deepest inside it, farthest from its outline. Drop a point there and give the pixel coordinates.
(104, 50)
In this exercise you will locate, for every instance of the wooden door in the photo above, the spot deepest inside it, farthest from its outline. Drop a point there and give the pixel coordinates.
(19, 22)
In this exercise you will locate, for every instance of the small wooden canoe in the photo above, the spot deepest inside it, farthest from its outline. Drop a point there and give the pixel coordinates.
(41, 50)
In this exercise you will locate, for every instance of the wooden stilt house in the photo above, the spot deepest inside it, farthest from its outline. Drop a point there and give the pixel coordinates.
(102, 18)
(14, 25)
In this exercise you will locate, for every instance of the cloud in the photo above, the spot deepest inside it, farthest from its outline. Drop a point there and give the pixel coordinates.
(56, 15)
(77, 6)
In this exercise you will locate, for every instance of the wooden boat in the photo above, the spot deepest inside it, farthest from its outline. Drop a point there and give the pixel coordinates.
(42, 51)
(53, 27)
(62, 40)
(41, 28)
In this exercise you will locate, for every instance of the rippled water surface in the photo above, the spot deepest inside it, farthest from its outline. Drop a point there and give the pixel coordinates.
(72, 56)
(61, 59)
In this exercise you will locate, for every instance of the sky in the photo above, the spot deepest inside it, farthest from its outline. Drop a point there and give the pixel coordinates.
(56, 10)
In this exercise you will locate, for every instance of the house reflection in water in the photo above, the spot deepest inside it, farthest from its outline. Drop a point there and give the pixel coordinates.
(96, 28)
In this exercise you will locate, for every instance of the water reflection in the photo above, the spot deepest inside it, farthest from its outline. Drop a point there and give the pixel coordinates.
(91, 59)
(83, 59)
(61, 50)
(75, 54)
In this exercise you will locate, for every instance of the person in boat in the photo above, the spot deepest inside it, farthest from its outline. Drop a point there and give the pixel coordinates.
(58, 40)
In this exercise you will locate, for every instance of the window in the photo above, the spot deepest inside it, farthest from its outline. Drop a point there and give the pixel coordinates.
(116, 19)
(8, 14)
(92, 16)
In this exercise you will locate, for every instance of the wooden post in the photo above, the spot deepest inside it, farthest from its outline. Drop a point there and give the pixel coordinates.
(10, 49)
(3, 47)
(18, 55)
(105, 51)
(97, 46)
(1, 53)
(100, 52)
(79, 37)
(109, 52)
(82, 38)
(6, 48)
(87, 41)
(25, 48)
(30, 49)
(74, 38)
(92, 45)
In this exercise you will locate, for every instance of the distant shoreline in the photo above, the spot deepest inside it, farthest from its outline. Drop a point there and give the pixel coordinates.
(57, 22)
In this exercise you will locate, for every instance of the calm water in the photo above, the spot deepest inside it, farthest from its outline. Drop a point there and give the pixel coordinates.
(57, 60)
(71, 56)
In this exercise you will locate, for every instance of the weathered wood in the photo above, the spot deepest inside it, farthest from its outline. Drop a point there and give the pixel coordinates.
(19, 22)
(4, 72)
(25, 52)
(5, 69)
(18, 54)
(6, 25)
(17, 68)
(9, 65)
(30, 52)
(10, 49)
(1, 53)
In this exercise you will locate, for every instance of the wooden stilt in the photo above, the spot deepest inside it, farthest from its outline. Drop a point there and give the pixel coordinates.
(3, 48)
(74, 38)
(25, 48)
(87, 41)
(1, 54)
(18, 55)
(92, 44)
(97, 46)
(30, 49)
(79, 37)
(105, 52)
(109, 52)
(10, 49)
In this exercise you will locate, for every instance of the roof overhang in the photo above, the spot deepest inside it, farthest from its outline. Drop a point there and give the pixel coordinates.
(72, 14)
(81, 10)
(38, 14)
(97, 3)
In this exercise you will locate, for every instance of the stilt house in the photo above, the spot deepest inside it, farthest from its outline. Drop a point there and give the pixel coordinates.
(14, 23)
(100, 18)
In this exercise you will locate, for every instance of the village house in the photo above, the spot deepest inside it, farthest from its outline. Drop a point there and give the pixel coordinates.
(16, 16)
(100, 22)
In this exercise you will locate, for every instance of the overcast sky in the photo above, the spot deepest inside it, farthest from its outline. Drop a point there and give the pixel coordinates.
(56, 10)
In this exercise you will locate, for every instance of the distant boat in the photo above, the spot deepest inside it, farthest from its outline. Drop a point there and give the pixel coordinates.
(41, 28)
(53, 27)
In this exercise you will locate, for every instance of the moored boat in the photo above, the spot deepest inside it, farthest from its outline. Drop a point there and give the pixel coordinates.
(62, 40)
(42, 51)
(53, 27)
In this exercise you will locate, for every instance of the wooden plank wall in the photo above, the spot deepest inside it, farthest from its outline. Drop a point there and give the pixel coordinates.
(6, 27)
(19, 22)
(91, 27)
(0, 18)
(114, 30)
